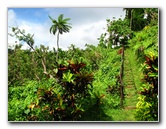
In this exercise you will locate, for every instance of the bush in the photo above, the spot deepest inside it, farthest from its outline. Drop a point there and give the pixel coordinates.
(19, 98)
(146, 111)
(64, 100)
(106, 80)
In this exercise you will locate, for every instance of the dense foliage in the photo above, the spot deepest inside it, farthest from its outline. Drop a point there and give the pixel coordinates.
(145, 45)
(146, 49)
(84, 84)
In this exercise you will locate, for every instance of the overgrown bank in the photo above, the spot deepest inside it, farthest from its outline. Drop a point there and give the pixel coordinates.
(85, 85)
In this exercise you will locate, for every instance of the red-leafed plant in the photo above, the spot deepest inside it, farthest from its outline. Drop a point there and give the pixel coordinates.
(150, 76)
(147, 107)
(63, 101)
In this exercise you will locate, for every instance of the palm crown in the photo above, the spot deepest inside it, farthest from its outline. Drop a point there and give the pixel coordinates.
(61, 25)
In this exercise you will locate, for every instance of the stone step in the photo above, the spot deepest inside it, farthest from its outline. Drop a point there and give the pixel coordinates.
(129, 86)
(129, 96)
(126, 71)
(128, 77)
(128, 80)
(130, 107)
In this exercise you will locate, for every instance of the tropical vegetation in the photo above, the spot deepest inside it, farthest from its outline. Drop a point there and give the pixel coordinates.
(117, 80)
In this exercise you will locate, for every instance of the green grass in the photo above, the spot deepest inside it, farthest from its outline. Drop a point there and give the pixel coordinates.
(122, 114)
(135, 66)
(132, 81)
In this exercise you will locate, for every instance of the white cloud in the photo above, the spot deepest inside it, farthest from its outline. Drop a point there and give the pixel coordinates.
(81, 35)
(85, 15)
(11, 17)
(86, 28)
(11, 22)
(40, 31)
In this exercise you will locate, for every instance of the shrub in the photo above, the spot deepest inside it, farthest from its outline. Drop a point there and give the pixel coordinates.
(63, 100)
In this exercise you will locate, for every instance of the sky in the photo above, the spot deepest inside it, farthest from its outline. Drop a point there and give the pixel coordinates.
(16, 18)
(87, 25)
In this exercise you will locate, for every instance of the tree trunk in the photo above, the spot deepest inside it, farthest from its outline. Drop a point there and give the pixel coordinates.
(131, 18)
(57, 46)
(129, 15)
(121, 79)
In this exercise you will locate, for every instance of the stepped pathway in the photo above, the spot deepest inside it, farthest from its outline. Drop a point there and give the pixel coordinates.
(130, 88)
(131, 79)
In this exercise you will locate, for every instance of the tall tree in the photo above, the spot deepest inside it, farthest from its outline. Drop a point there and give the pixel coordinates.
(136, 18)
(59, 26)
(152, 16)
(129, 15)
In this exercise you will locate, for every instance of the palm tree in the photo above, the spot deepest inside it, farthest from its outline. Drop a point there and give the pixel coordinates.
(59, 26)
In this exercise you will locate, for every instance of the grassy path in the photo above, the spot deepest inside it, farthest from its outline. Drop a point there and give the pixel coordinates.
(131, 83)
(130, 86)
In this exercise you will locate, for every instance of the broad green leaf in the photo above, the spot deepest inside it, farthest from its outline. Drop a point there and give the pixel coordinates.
(27, 111)
(153, 74)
